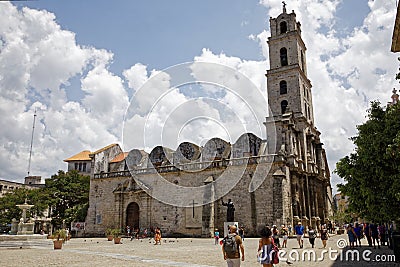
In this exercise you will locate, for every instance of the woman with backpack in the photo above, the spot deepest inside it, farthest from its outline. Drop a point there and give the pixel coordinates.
(265, 247)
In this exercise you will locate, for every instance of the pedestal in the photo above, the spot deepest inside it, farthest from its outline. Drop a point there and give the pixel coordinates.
(25, 228)
(226, 229)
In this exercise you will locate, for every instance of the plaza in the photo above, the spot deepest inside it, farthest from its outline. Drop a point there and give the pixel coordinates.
(196, 252)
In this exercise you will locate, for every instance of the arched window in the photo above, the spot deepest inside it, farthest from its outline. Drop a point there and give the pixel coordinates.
(284, 60)
(283, 27)
(284, 105)
(283, 87)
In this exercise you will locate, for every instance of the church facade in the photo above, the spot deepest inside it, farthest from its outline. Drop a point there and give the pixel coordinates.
(280, 181)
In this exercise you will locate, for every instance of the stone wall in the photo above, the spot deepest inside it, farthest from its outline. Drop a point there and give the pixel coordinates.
(109, 199)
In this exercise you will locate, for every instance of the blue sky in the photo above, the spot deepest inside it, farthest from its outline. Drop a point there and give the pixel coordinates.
(163, 33)
(79, 62)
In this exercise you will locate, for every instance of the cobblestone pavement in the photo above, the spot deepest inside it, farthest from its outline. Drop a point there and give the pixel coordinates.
(178, 252)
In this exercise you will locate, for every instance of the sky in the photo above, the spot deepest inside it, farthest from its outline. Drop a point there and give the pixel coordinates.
(84, 65)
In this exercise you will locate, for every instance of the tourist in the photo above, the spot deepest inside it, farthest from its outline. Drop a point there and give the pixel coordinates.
(275, 235)
(382, 233)
(157, 236)
(375, 234)
(352, 235)
(241, 232)
(216, 237)
(230, 248)
(290, 229)
(299, 230)
(324, 235)
(359, 233)
(265, 247)
(330, 227)
(312, 234)
(367, 232)
(135, 233)
(284, 234)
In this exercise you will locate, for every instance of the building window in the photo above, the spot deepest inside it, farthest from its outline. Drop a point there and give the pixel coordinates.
(283, 27)
(98, 219)
(302, 61)
(284, 105)
(283, 87)
(84, 167)
(284, 59)
(76, 166)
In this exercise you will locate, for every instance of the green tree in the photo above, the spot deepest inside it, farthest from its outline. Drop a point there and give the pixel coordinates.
(68, 195)
(372, 172)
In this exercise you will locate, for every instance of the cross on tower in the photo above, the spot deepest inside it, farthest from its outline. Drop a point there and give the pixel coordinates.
(284, 6)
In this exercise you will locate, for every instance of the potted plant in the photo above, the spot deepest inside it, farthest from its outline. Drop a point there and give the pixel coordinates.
(109, 234)
(117, 235)
(59, 237)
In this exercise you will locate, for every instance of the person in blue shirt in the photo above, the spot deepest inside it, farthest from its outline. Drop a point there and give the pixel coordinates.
(358, 231)
(216, 237)
(299, 230)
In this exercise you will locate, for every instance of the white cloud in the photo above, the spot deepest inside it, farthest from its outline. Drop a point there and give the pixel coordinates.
(136, 76)
(37, 60)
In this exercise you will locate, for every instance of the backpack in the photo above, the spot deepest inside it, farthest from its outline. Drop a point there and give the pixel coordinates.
(230, 246)
(275, 253)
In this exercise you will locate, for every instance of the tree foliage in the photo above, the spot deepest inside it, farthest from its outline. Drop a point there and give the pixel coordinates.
(372, 172)
(68, 195)
(65, 194)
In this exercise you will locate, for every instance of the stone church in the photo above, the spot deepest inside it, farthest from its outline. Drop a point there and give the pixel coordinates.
(280, 181)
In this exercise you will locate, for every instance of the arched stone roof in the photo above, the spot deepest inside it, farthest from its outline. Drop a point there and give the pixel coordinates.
(160, 156)
(136, 158)
(216, 149)
(187, 152)
(247, 145)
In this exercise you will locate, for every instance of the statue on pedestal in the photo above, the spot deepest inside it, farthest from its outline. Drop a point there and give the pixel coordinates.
(230, 213)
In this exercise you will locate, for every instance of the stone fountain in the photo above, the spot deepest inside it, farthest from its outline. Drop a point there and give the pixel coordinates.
(25, 226)
(22, 232)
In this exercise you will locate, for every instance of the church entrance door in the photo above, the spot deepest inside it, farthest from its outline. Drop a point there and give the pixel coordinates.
(132, 215)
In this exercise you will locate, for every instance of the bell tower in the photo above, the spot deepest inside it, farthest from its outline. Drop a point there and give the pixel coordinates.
(292, 136)
(289, 89)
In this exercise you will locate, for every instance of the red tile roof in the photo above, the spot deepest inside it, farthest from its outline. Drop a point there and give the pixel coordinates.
(120, 157)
